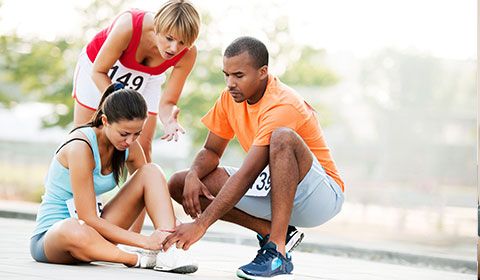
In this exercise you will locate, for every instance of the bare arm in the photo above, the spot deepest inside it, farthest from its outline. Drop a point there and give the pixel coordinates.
(136, 157)
(204, 163)
(236, 186)
(81, 168)
(168, 110)
(111, 50)
(209, 156)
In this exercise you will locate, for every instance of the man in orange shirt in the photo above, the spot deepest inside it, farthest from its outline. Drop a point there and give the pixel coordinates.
(287, 179)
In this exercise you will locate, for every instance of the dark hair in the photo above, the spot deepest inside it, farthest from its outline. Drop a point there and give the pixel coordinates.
(255, 48)
(118, 104)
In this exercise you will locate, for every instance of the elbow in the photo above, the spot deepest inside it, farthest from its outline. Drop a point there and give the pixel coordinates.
(214, 155)
(167, 103)
(97, 75)
(94, 73)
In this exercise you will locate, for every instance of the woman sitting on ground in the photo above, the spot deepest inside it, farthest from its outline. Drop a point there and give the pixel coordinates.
(71, 225)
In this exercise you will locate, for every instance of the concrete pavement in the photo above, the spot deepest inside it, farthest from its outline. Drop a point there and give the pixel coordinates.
(217, 260)
(457, 256)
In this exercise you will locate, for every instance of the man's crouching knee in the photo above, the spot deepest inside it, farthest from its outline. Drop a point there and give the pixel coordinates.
(175, 185)
(282, 137)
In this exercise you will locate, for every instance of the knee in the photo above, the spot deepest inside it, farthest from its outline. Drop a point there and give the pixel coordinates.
(75, 233)
(152, 176)
(175, 185)
(282, 138)
(152, 170)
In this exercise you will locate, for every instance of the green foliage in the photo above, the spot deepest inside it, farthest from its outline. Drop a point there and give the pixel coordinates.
(99, 14)
(39, 71)
(206, 80)
(203, 88)
(36, 70)
(8, 91)
(309, 70)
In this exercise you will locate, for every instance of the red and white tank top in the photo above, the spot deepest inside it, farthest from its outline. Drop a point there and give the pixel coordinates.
(127, 70)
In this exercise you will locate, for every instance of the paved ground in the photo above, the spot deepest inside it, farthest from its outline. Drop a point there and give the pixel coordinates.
(217, 261)
(341, 237)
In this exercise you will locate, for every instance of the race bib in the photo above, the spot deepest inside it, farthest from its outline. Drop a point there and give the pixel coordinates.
(73, 211)
(261, 186)
(132, 79)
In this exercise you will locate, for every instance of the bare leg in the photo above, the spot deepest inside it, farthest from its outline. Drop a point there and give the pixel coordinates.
(147, 187)
(81, 115)
(145, 140)
(138, 224)
(289, 161)
(146, 137)
(72, 241)
(214, 182)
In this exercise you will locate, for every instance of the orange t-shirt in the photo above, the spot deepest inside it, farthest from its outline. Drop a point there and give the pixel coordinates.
(253, 124)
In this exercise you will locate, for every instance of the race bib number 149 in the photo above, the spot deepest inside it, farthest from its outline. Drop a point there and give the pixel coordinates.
(130, 78)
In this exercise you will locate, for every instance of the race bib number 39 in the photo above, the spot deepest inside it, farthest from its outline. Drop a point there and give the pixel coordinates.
(261, 186)
(73, 211)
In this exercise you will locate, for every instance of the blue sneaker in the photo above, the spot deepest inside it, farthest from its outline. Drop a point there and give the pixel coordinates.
(293, 239)
(269, 263)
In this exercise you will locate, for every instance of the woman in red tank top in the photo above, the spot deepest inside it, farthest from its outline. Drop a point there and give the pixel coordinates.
(136, 50)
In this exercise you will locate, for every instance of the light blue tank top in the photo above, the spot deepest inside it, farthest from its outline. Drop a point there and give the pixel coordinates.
(58, 188)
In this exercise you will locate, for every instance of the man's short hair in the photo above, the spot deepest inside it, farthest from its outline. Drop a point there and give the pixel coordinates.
(255, 48)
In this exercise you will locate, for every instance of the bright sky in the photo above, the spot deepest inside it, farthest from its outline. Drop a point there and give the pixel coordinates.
(445, 28)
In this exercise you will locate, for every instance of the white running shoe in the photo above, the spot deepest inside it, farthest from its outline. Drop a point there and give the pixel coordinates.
(175, 260)
(146, 258)
(133, 249)
(146, 261)
(293, 239)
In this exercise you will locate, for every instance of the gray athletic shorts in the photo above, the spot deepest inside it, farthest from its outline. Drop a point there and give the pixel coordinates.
(318, 199)
(37, 248)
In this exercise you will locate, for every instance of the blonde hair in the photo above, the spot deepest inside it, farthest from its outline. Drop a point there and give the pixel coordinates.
(179, 17)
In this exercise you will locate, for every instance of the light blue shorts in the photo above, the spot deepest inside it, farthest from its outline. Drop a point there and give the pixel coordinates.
(37, 247)
(318, 199)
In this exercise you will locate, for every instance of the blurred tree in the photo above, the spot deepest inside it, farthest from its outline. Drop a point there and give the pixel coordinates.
(38, 70)
(206, 80)
(310, 70)
(32, 69)
(99, 14)
(204, 84)
(422, 108)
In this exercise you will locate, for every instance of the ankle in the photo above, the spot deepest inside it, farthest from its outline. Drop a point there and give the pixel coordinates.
(281, 247)
(264, 235)
(282, 250)
(133, 260)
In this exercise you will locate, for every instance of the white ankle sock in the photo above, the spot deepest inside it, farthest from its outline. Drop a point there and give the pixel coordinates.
(139, 257)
